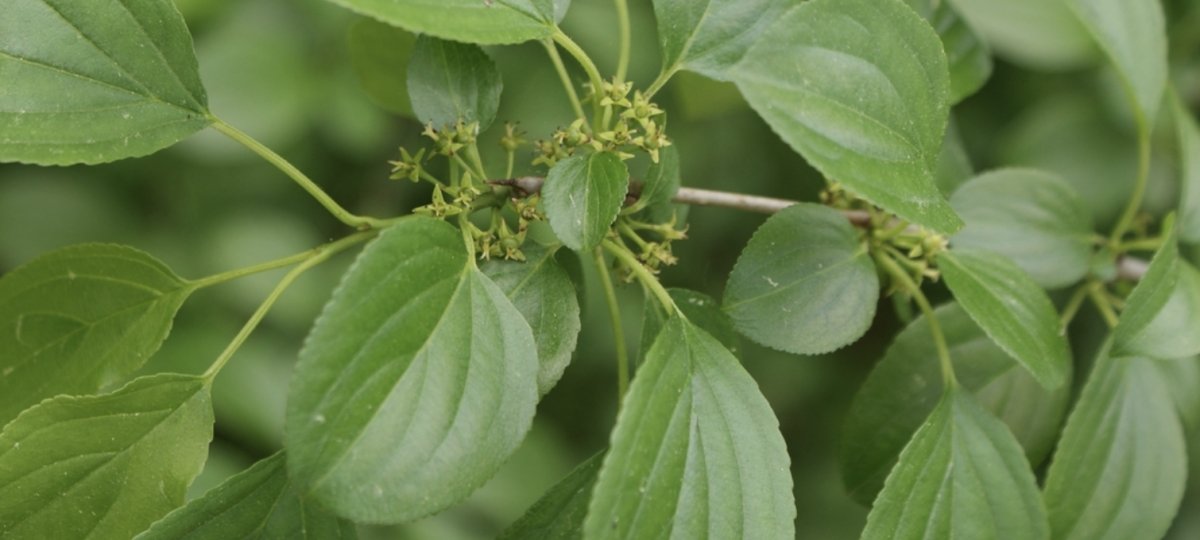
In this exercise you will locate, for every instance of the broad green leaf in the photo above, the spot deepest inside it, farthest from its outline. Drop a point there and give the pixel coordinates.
(1032, 217)
(543, 292)
(79, 319)
(559, 514)
(450, 81)
(1133, 34)
(1041, 34)
(696, 452)
(962, 476)
(583, 195)
(258, 503)
(90, 82)
(1188, 132)
(103, 466)
(417, 382)
(1160, 316)
(867, 116)
(380, 54)
(1182, 377)
(662, 181)
(710, 36)
(1119, 470)
(906, 386)
(968, 56)
(491, 22)
(699, 308)
(1012, 309)
(804, 284)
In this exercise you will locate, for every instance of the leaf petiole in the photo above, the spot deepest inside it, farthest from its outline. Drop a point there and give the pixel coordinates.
(643, 275)
(939, 339)
(623, 28)
(556, 59)
(589, 67)
(614, 313)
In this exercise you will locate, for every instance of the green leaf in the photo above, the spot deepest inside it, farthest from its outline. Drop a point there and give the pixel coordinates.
(699, 308)
(1119, 469)
(905, 387)
(79, 319)
(1160, 315)
(662, 181)
(258, 503)
(1133, 35)
(545, 295)
(583, 195)
(450, 81)
(1182, 377)
(808, 293)
(867, 116)
(962, 476)
(696, 452)
(1188, 133)
(559, 514)
(90, 82)
(493, 22)
(380, 54)
(710, 36)
(417, 382)
(103, 466)
(968, 56)
(1012, 309)
(954, 165)
(1032, 217)
(1041, 34)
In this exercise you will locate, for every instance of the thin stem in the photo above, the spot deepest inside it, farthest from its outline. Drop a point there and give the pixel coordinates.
(643, 275)
(935, 327)
(661, 81)
(1139, 190)
(589, 67)
(614, 313)
(1102, 305)
(623, 25)
(508, 171)
(473, 153)
(217, 279)
(556, 59)
(343, 215)
(1072, 307)
(317, 256)
(1144, 244)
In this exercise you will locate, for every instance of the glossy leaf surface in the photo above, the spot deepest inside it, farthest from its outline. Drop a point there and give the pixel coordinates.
(583, 195)
(450, 81)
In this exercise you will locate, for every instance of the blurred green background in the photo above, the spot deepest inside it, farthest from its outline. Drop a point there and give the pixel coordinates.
(282, 71)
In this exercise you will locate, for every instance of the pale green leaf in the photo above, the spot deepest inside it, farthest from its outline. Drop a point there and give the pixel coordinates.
(1032, 217)
(1182, 377)
(380, 54)
(256, 504)
(867, 116)
(103, 467)
(1012, 309)
(696, 452)
(542, 291)
(710, 36)
(906, 386)
(79, 319)
(97, 81)
(804, 284)
(1042, 34)
(1119, 470)
(450, 81)
(962, 476)
(583, 195)
(1133, 34)
(699, 308)
(416, 383)
(491, 22)
(1160, 316)
(1188, 132)
(969, 59)
(559, 514)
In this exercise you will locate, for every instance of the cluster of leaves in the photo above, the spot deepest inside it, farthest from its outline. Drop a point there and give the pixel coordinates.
(423, 373)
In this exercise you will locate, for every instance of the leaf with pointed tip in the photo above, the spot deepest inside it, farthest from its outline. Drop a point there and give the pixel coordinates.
(103, 466)
(543, 292)
(380, 54)
(1160, 316)
(1119, 469)
(968, 56)
(710, 36)
(808, 293)
(582, 196)
(962, 476)
(559, 514)
(696, 452)
(415, 385)
(1012, 309)
(1133, 34)
(905, 387)
(700, 309)
(258, 503)
(1188, 133)
(450, 81)
(90, 82)
(493, 22)
(79, 319)
(867, 116)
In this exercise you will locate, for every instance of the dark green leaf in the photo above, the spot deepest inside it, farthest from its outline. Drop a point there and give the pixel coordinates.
(258, 503)
(1040, 34)
(90, 82)
(1133, 35)
(450, 81)
(867, 116)
(710, 36)
(559, 514)
(492, 22)
(417, 382)
(582, 197)
(906, 386)
(79, 319)
(696, 452)
(1012, 309)
(662, 181)
(1160, 316)
(1032, 217)
(805, 283)
(954, 165)
(103, 466)
(380, 53)
(543, 292)
(969, 59)
(699, 308)
(962, 476)
(1188, 133)
(1119, 470)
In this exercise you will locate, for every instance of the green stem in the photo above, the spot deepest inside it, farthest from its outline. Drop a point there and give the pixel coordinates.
(939, 339)
(315, 257)
(1139, 190)
(217, 279)
(556, 59)
(1072, 307)
(343, 215)
(1144, 244)
(473, 153)
(643, 275)
(660, 81)
(623, 26)
(589, 67)
(1103, 305)
(614, 313)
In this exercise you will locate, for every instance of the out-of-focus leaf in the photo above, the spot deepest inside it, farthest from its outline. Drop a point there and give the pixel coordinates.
(969, 59)
(583, 195)
(559, 514)
(380, 54)
(954, 165)
(1188, 133)
(450, 81)
(1041, 34)
(710, 36)
(1160, 316)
